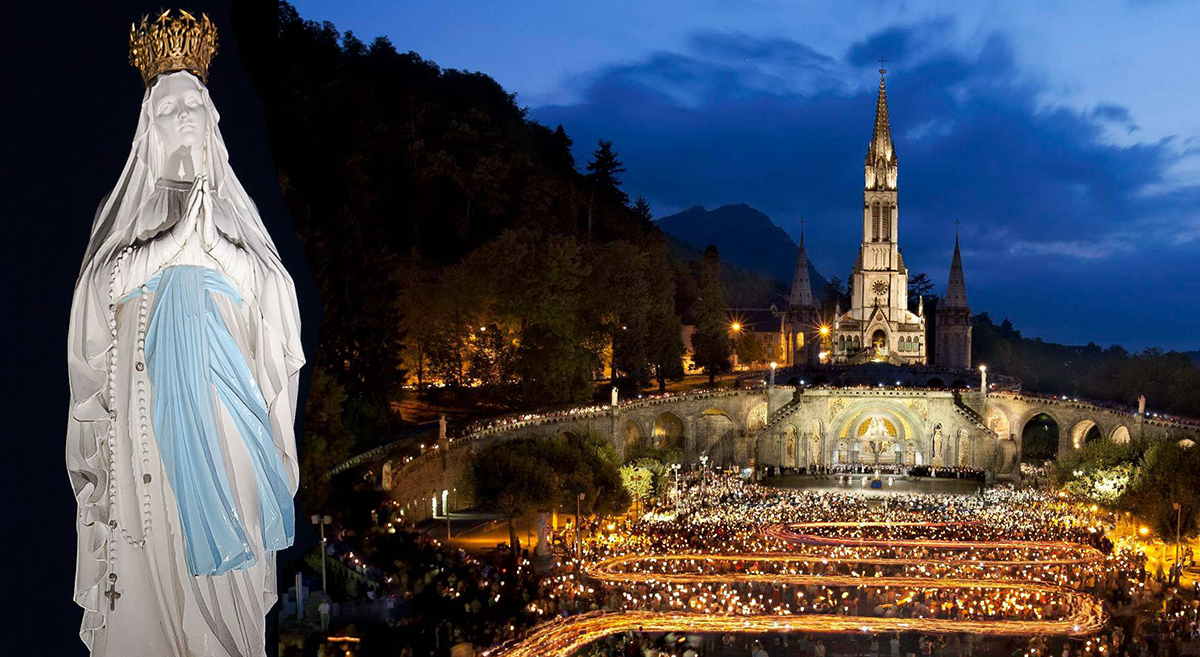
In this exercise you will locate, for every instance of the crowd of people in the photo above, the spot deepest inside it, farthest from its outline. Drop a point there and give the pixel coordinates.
(449, 602)
(835, 470)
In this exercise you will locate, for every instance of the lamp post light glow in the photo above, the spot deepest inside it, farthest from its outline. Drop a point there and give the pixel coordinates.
(1178, 524)
(322, 521)
(578, 528)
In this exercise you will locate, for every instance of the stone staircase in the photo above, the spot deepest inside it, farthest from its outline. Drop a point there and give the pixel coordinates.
(782, 413)
(971, 416)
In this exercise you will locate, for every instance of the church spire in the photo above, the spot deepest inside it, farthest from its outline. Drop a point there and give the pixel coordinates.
(956, 287)
(881, 153)
(802, 296)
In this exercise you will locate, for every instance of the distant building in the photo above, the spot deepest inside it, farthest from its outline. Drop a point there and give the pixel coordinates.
(878, 326)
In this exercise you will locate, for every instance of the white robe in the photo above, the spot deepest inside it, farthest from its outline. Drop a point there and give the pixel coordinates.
(132, 529)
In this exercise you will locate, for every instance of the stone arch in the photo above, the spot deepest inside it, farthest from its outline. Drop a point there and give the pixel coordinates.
(958, 384)
(566, 434)
(668, 431)
(900, 422)
(756, 418)
(1187, 443)
(935, 382)
(1120, 435)
(715, 436)
(1082, 433)
(1041, 436)
(633, 438)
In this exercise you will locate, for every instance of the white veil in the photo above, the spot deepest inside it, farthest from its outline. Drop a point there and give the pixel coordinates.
(128, 217)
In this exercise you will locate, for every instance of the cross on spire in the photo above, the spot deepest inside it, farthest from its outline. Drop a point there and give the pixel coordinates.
(801, 229)
(882, 70)
(956, 223)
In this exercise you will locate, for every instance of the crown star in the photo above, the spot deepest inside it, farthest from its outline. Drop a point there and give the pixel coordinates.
(167, 44)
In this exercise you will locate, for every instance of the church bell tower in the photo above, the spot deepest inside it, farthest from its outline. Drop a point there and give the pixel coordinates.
(879, 325)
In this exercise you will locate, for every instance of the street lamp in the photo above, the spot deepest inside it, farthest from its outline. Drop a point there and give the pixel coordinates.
(675, 468)
(773, 366)
(703, 477)
(322, 521)
(578, 535)
(1178, 523)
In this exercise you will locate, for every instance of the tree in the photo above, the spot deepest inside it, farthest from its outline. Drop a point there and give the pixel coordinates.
(512, 479)
(325, 441)
(603, 170)
(750, 350)
(835, 291)
(620, 301)
(641, 208)
(522, 476)
(664, 331)
(710, 341)
(1170, 475)
(638, 482)
(918, 287)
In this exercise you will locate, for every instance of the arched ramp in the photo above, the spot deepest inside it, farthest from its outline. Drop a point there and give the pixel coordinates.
(1040, 435)
(668, 431)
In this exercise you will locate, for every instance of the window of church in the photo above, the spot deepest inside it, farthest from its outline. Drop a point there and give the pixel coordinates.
(886, 235)
(875, 222)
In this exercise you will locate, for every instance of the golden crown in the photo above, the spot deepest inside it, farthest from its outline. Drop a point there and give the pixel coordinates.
(173, 44)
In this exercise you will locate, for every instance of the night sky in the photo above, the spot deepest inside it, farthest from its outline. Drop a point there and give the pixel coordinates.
(1064, 136)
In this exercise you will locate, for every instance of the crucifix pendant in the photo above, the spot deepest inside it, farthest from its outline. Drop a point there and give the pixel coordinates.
(112, 594)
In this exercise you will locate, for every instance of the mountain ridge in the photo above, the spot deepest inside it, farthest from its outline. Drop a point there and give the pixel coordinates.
(757, 245)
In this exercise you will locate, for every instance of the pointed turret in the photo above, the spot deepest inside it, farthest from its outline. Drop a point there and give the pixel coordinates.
(881, 151)
(953, 338)
(956, 287)
(881, 154)
(802, 296)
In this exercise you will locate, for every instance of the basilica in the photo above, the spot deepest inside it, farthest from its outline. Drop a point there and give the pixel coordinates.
(878, 326)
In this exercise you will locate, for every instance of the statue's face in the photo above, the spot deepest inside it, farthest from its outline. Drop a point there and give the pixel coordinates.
(179, 111)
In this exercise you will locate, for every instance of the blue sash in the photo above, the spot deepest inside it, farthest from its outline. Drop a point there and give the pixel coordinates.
(192, 357)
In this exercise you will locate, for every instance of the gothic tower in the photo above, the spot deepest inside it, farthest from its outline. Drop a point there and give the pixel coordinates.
(954, 319)
(801, 338)
(879, 325)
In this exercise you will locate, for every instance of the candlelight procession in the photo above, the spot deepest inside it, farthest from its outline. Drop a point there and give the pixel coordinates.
(773, 565)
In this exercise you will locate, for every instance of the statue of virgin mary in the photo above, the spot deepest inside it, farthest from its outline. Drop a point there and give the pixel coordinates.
(184, 355)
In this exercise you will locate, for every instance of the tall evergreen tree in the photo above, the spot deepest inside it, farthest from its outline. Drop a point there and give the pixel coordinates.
(603, 170)
(710, 342)
(664, 331)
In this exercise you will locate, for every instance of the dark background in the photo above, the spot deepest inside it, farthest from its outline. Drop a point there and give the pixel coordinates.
(68, 109)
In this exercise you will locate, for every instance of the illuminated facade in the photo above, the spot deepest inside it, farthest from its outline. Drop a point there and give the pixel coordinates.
(878, 326)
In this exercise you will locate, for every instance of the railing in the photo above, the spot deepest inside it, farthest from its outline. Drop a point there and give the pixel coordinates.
(505, 424)
(1089, 405)
(971, 416)
(782, 413)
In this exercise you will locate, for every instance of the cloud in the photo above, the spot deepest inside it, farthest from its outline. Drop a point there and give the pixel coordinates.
(784, 127)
